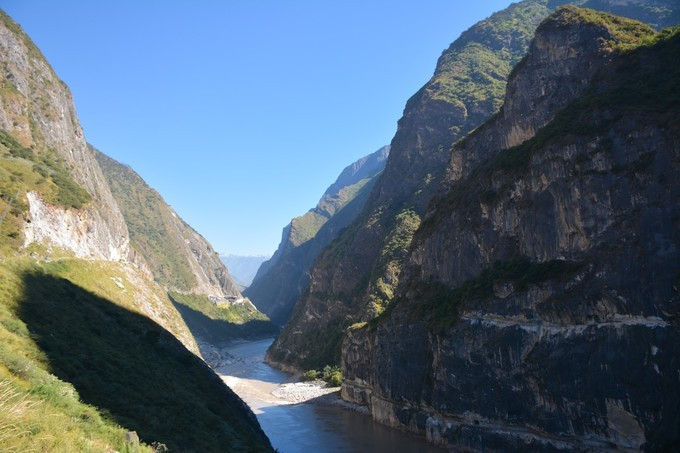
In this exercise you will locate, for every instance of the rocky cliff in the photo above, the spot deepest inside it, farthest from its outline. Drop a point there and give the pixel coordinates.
(38, 114)
(540, 304)
(281, 280)
(85, 332)
(179, 258)
(355, 278)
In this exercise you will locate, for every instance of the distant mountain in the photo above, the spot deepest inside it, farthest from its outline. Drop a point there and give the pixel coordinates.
(281, 280)
(243, 268)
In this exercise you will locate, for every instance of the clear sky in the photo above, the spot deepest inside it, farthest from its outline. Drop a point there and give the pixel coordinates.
(241, 112)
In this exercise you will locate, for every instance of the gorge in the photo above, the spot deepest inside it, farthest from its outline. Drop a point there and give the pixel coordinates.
(503, 276)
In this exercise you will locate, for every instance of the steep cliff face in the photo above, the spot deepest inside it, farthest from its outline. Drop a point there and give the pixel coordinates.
(281, 280)
(37, 111)
(540, 306)
(355, 278)
(179, 258)
(85, 332)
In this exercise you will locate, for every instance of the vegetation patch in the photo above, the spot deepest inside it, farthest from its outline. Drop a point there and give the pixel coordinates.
(441, 305)
(79, 370)
(332, 375)
(224, 321)
(48, 174)
(627, 33)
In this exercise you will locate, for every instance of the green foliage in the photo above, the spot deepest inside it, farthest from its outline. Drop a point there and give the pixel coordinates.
(332, 375)
(386, 271)
(626, 33)
(306, 227)
(441, 304)
(235, 313)
(474, 70)
(78, 370)
(310, 375)
(150, 222)
(44, 165)
(224, 321)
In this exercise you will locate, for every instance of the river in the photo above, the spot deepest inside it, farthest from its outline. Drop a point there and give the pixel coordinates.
(306, 427)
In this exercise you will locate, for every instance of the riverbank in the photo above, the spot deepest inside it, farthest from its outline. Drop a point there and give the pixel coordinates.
(302, 416)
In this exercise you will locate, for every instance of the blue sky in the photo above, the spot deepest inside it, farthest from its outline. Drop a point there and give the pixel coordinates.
(240, 113)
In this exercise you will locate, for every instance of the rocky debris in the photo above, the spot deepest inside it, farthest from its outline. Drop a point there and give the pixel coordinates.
(306, 392)
(215, 356)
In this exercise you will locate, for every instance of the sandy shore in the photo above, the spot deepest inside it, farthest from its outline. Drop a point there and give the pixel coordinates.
(267, 388)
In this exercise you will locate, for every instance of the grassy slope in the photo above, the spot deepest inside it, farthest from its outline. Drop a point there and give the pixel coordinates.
(149, 221)
(81, 365)
(220, 323)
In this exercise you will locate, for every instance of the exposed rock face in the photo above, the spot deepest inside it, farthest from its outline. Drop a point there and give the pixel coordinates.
(540, 307)
(38, 108)
(179, 258)
(81, 231)
(281, 280)
(355, 278)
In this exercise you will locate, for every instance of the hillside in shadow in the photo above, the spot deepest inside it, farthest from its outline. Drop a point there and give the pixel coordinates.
(134, 371)
(220, 331)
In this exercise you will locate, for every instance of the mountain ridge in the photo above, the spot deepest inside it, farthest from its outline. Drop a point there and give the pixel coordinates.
(284, 278)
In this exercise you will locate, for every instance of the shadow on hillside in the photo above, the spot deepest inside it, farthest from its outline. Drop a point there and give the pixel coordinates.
(133, 369)
(218, 331)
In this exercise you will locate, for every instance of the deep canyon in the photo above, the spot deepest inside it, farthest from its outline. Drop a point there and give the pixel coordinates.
(503, 276)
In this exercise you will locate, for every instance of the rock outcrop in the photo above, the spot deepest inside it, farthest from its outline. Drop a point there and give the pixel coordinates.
(540, 305)
(355, 278)
(37, 108)
(282, 279)
(92, 346)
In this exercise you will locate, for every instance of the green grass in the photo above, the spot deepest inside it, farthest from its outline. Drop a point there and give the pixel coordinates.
(79, 370)
(24, 169)
(223, 322)
(306, 226)
(150, 222)
(234, 313)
